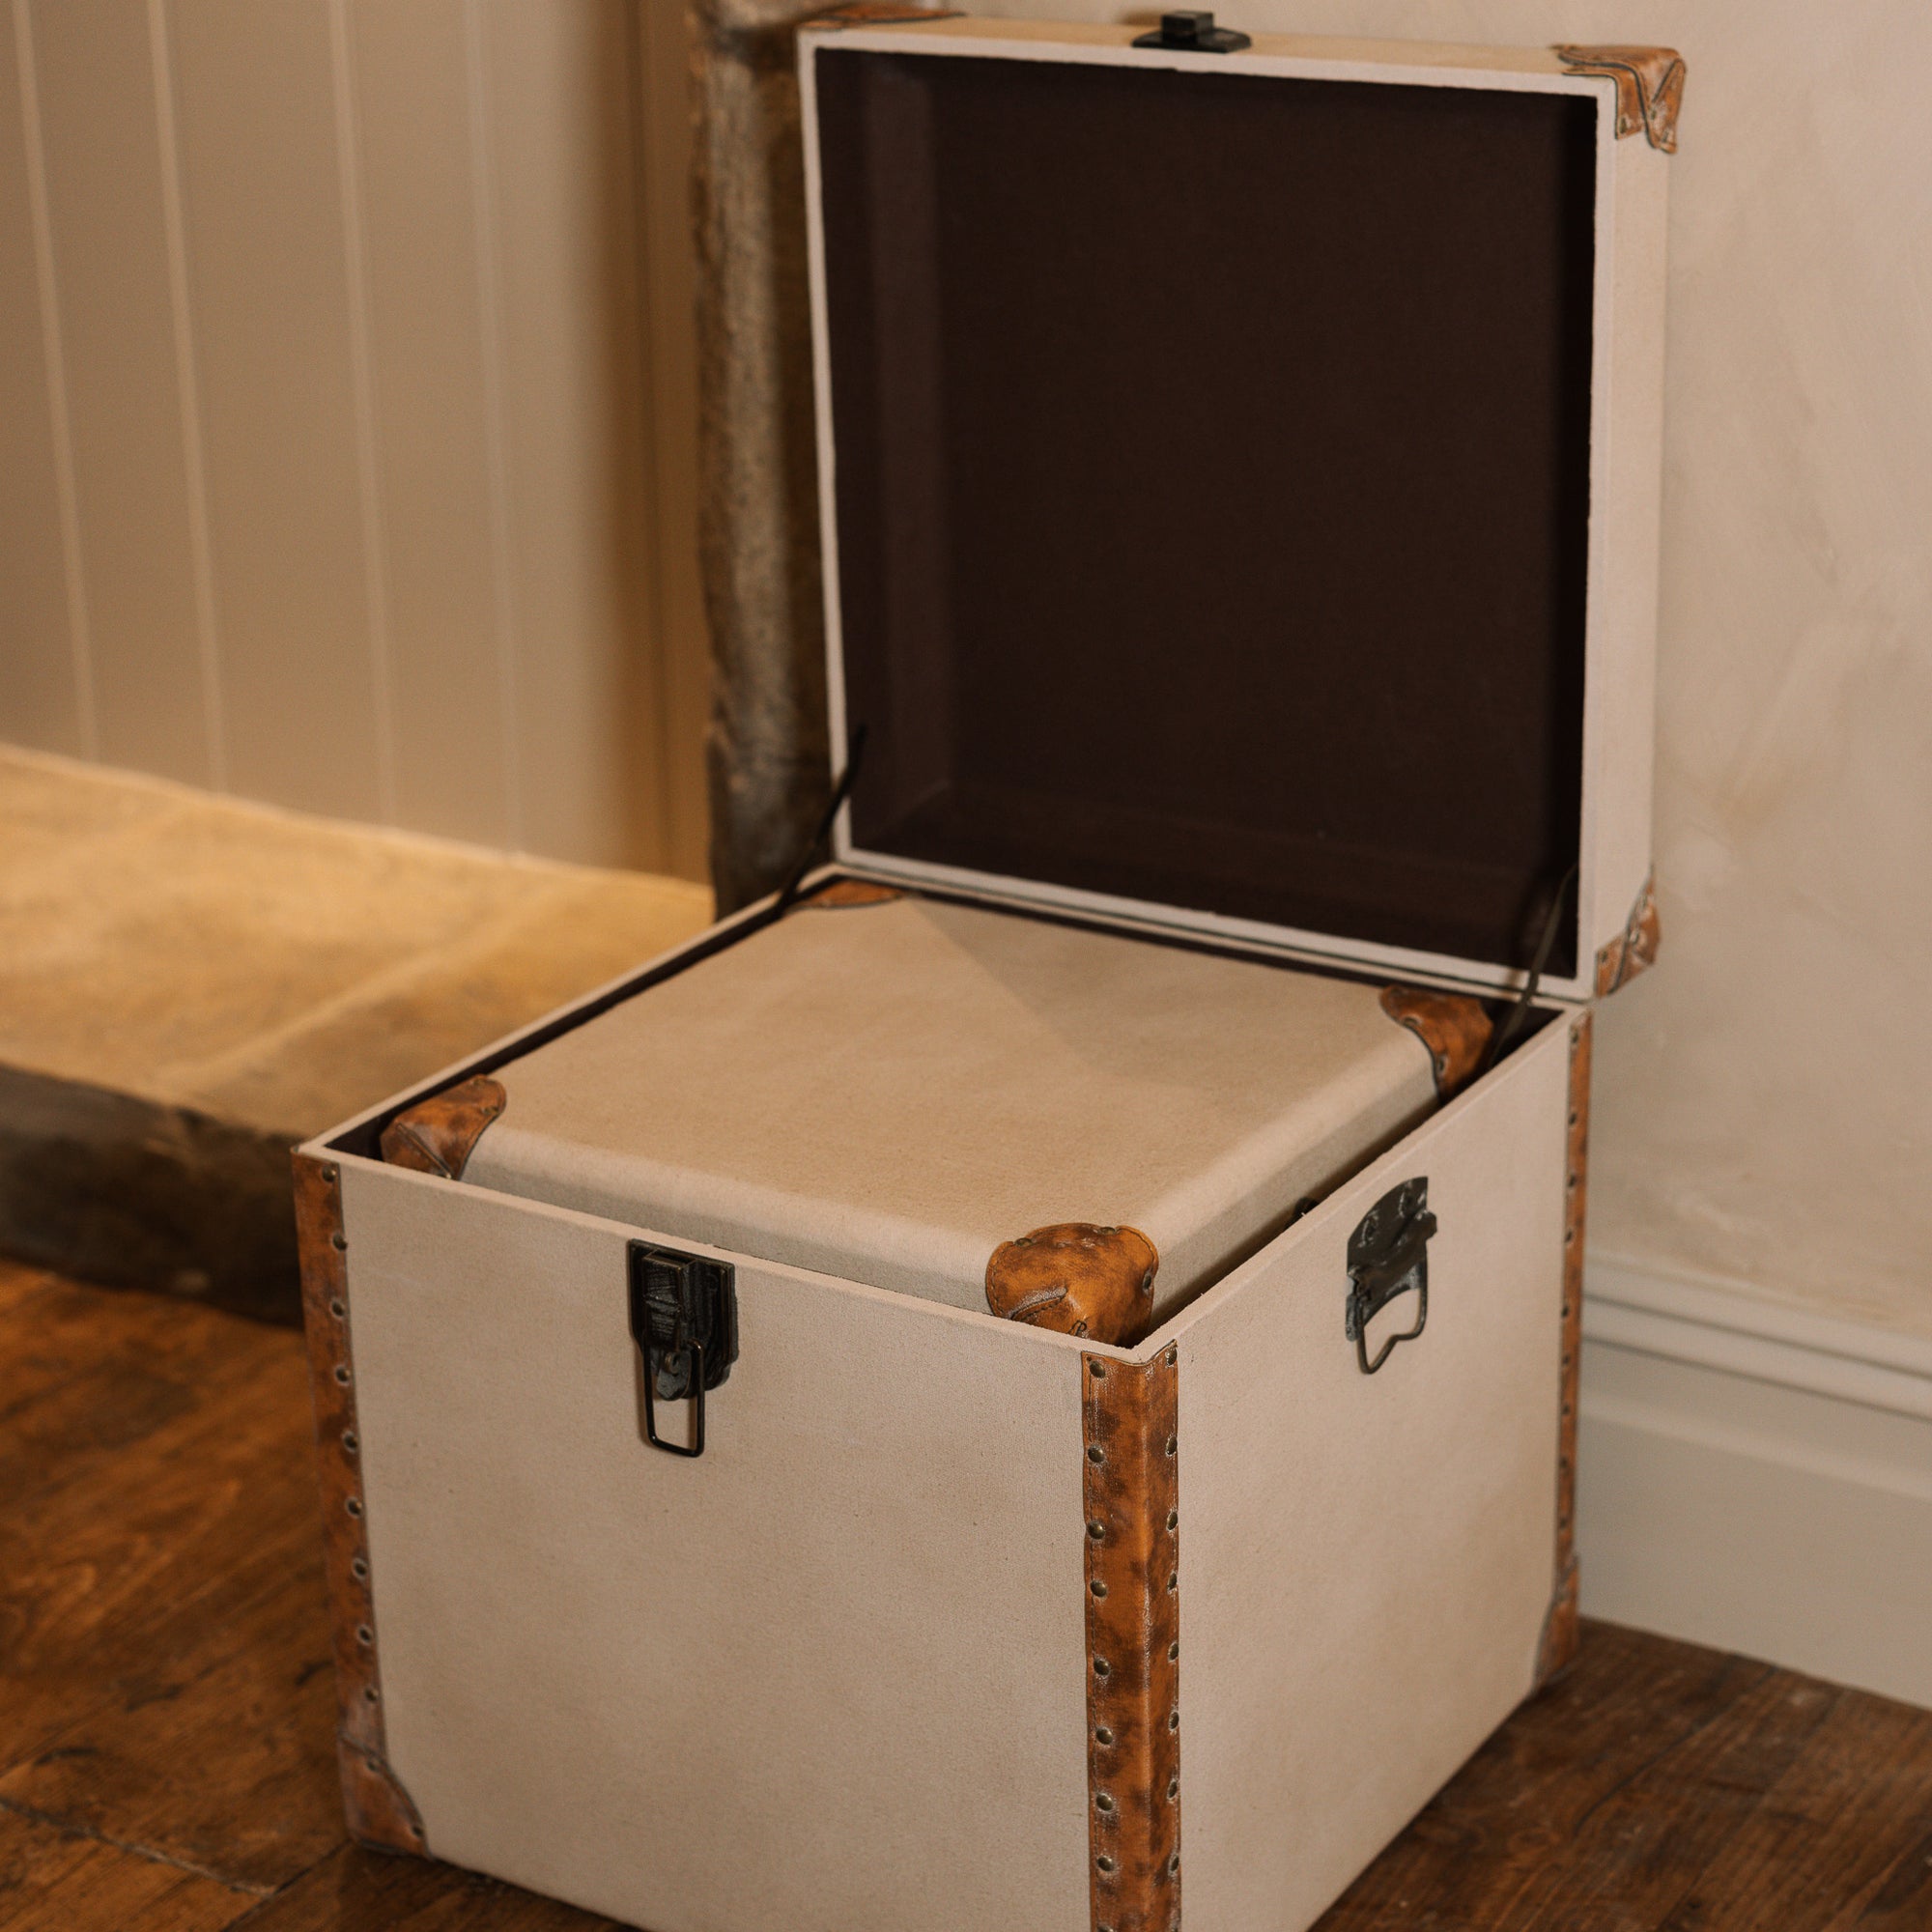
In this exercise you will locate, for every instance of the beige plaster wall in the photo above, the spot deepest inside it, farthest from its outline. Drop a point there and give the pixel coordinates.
(1764, 1101)
(346, 444)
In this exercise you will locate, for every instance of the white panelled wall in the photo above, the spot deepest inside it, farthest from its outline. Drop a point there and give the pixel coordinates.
(347, 433)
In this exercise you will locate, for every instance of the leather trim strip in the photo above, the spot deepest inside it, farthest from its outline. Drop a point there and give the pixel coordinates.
(1560, 1631)
(1452, 1026)
(1634, 948)
(379, 1812)
(440, 1134)
(1076, 1278)
(1130, 1488)
(1649, 87)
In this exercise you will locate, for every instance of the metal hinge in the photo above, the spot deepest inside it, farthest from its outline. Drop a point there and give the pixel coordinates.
(684, 1319)
(1388, 1255)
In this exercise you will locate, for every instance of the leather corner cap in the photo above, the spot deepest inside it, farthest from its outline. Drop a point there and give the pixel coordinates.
(1452, 1026)
(846, 893)
(1076, 1278)
(1649, 87)
(440, 1134)
(1632, 948)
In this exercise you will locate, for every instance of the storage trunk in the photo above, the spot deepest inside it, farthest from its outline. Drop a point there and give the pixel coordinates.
(891, 1090)
(1240, 471)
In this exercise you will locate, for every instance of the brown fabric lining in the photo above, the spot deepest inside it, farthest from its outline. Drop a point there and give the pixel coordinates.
(1212, 485)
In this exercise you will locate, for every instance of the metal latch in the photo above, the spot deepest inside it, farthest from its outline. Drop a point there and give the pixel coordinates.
(1194, 34)
(684, 1319)
(1388, 1255)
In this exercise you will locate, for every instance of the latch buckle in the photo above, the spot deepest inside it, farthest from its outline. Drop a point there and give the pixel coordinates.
(1388, 1255)
(684, 1319)
(1194, 33)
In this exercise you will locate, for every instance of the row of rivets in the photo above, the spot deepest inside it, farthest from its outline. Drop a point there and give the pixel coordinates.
(1106, 1804)
(351, 1447)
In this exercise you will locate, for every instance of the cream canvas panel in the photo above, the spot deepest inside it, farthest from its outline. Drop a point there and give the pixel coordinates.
(831, 1674)
(886, 1092)
(1367, 1561)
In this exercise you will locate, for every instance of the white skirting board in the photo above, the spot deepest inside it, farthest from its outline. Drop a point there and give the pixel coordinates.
(1757, 1478)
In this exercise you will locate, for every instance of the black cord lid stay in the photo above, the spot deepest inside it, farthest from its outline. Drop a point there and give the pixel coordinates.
(840, 792)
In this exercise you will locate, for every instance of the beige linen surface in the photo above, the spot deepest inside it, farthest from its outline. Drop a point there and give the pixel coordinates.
(886, 1092)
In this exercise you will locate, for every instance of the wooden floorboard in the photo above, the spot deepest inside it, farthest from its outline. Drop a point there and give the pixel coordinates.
(162, 1663)
(53, 1880)
(166, 1758)
(353, 1890)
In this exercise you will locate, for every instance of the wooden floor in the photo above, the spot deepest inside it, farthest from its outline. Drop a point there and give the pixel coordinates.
(166, 1709)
